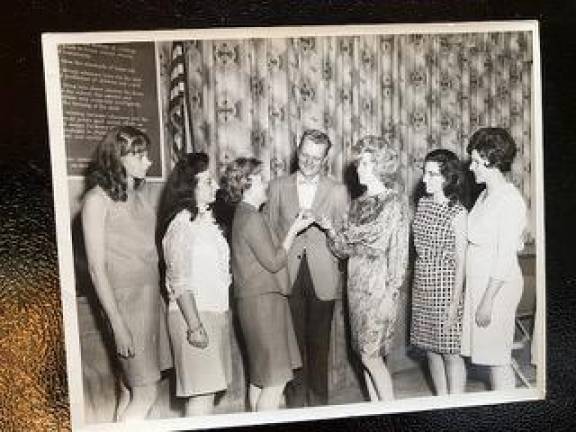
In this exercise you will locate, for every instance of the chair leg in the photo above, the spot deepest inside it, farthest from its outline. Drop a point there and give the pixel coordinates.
(525, 335)
(520, 374)
(523, 329)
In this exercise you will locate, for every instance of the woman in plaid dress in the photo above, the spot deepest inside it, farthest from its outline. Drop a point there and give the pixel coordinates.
(440, 227)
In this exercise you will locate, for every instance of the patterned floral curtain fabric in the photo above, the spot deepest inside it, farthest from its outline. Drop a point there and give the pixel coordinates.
(256, 96)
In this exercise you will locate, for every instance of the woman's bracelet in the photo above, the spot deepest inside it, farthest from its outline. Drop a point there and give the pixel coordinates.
(195, 329)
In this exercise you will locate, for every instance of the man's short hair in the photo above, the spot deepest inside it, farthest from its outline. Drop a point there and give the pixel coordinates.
(317, 137)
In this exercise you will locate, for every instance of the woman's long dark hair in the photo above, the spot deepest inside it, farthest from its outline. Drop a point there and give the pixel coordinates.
(107, 169)
(180, 193)
(180, 190)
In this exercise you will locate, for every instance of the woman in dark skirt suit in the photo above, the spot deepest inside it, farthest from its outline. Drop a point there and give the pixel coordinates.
(260, 285)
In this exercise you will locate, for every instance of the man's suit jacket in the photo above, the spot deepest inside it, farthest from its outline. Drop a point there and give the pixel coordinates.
(331, 200)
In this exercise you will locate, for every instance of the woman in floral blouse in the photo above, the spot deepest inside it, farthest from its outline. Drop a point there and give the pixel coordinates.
(375, 238)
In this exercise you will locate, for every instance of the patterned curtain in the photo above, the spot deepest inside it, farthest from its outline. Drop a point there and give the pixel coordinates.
(256, 96)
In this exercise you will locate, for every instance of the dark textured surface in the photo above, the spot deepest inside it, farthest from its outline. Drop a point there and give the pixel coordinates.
(32, 376)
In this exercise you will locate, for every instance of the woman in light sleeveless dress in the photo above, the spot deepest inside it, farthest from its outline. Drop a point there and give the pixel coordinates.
(119, 225)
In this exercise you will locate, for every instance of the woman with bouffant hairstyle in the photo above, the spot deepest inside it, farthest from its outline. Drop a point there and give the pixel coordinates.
(375, 240)
(384, 160)
(261, 285)
(118, 225)
(494, 281)
(440, 239)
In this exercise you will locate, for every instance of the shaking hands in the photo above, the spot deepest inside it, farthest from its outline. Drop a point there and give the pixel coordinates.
(304, 219)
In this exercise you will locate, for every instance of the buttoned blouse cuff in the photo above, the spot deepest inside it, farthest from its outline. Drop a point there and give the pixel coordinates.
(180, 287)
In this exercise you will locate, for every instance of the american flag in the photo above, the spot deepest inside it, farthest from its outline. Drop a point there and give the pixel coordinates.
(178, 107)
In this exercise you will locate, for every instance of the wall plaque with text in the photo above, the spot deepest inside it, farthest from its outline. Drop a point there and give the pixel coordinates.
(107, 85)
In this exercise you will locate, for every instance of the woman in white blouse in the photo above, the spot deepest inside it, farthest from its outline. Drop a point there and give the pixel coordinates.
(494, 280)
(196, 255)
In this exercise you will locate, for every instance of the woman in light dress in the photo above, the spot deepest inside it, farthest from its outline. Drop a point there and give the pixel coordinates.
(494, 279)
(198, 278)
(118, 224)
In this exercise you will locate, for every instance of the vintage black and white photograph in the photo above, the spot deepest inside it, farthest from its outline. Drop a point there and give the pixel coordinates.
(282, 224)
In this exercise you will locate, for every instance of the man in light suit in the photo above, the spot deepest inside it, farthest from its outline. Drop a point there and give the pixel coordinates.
(314, 274)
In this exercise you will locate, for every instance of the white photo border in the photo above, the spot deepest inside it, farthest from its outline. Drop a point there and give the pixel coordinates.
(50, 42)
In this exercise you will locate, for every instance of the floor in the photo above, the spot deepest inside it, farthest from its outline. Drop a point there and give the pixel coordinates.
(408, 383)
(415, 382)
